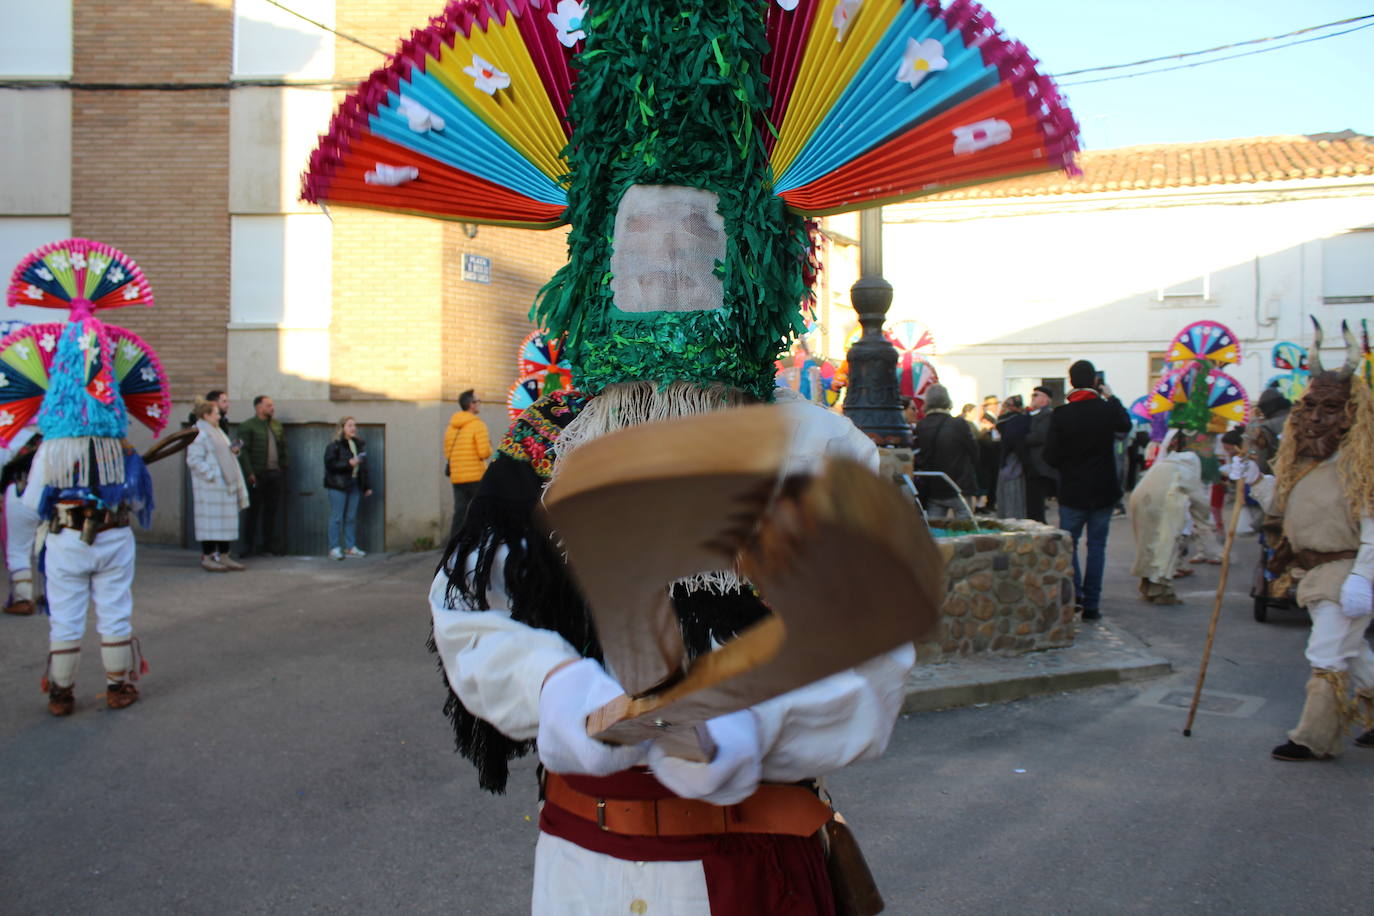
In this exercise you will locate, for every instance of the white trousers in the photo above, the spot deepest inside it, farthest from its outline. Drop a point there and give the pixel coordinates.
(21, 525)
(1337, 643)
(78, 574)
(572, 881)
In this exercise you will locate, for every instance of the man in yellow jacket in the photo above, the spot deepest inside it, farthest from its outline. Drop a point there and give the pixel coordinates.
(467, 447)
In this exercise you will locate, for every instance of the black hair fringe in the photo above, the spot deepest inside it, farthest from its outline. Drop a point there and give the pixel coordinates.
(543, 595)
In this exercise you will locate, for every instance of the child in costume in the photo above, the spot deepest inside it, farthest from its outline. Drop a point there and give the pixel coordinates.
(1323, 487)
(86, 482)
(689, 257)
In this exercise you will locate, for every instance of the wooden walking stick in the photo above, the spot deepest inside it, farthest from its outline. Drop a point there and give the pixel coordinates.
(1216, 606)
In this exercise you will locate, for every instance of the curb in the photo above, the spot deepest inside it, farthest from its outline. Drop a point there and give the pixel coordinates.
(1104, 655)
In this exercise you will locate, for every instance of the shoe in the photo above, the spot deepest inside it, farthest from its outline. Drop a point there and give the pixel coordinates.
(1365, 740)
(210, 564)
(61, 701)
(23, 607)
(1092, 615)
(355, 552)
(230, 564)
(119, 695)
(335, 553)
(1296, 752)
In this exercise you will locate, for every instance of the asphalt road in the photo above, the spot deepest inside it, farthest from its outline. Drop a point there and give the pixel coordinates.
(289, 757)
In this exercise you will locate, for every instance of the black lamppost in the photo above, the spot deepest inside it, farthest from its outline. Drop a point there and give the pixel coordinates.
(872, 401)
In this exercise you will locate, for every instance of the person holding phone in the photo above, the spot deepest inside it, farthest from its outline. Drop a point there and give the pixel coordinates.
(346, 479)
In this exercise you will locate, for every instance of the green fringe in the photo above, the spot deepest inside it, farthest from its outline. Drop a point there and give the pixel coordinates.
(674, 93)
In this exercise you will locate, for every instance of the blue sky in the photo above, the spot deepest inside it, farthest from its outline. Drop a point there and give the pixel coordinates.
(1311, 88)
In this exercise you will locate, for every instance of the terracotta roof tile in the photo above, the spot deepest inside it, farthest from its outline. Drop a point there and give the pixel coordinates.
(1181, 165)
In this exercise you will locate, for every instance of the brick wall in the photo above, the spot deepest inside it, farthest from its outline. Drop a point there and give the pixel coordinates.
(150, 169)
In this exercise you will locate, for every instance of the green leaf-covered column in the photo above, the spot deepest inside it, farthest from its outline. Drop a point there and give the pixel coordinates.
(672, 94)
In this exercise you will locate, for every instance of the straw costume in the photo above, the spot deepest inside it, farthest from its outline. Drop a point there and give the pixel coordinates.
(86, 483)
(1323, 487)
(699, 136)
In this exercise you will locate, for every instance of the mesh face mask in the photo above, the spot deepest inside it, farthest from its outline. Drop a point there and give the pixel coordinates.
(668, 240)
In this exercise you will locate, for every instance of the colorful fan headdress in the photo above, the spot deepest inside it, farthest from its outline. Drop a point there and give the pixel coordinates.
(81, 379)
(686, 143)
(1194, 392)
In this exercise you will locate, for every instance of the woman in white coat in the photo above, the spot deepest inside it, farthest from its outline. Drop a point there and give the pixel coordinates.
(218, 488)
(1168, 507)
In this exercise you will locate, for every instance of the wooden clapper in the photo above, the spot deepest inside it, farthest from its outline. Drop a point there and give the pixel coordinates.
(842, 559)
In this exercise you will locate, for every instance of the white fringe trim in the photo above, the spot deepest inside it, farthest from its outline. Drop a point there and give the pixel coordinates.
(631, 403)
(67, 461)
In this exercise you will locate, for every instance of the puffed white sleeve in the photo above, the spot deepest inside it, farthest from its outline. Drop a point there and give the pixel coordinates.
(1364, 559)
(1263, 492)
(834, 722)
(495, 665)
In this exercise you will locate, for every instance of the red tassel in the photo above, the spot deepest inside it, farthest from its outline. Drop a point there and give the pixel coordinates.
(44, 684)
(143, 666)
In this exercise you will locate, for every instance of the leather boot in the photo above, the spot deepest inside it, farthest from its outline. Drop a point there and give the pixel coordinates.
(122, 668)
(60, 676)
(21, 593)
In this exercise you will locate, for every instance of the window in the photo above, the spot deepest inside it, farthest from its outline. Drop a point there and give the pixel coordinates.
(1197, 289)
(20, 235)
(1348, 267)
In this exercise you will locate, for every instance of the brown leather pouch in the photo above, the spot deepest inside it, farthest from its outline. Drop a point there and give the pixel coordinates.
(856, 893)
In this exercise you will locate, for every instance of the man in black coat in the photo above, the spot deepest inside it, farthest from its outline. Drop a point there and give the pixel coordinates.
(945, 443)
(1041, 479)
(1081, 446)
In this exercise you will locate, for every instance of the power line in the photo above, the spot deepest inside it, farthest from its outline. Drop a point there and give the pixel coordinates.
(321, 25)
(329, 85)
(1226, 47)
(1216, 60)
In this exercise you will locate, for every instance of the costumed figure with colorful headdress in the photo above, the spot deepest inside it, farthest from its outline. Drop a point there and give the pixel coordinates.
(687, 191)
(83, 380)
(1170, 509)
(1323, 487)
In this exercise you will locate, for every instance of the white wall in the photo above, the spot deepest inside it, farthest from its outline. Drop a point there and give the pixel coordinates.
(1067, 278)
(36, 39)
(270, 42)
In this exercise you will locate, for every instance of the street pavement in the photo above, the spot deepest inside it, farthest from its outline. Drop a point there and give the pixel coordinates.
(289, 756)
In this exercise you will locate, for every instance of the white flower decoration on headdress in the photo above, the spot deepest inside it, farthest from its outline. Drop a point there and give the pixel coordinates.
(78, 260)
(99, 387)
(420, 118)
(21, 350)
(85, 342)
(149, 374)
(154, 411)
(486, 77)
(788, 5)
(59, 260)
(33, 292)
(568, 21)
(131, 292)
(116, 274)
(4, 380)
(980, 135)
(44, 273)
(129, 348)
(920, 59)
(6, 418)
(845, 11)
(98, 262)
(48, 341)
(391, 175)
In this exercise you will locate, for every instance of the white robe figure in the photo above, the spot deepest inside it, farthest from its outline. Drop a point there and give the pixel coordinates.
(497, 667)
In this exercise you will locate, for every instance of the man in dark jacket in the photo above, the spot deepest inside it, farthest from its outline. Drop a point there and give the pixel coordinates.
(264, 461)
(1081, 446)
(945, 443)
(1041, 479)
